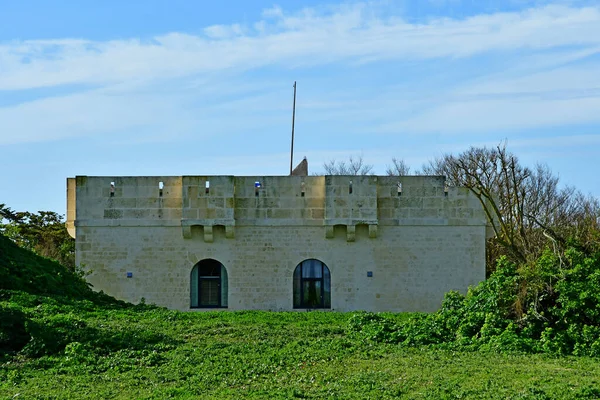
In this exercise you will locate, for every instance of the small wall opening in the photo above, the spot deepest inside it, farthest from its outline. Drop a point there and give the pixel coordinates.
(399, 188)
(350, 188)
(302, 190)
(112, 189)
(339, 232)
(197, 231)
(207, 187)
(160, 188)
(362, 231)
(218, 232)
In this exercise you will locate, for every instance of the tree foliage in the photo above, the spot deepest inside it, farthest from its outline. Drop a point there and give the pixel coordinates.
(43, 232)
(21, 269)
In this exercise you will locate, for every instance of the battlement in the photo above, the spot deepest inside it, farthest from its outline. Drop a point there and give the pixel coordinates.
(224, 202)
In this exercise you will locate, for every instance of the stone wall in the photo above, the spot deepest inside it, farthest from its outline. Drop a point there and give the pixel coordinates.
(390, 243)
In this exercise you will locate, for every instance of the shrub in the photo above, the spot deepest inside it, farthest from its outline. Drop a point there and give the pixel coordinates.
(13, 334)
(551, 305)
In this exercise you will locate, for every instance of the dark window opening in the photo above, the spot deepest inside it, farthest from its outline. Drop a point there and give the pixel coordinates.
(312, 285)
(350, 188)
(112, 189)
(160, 188)
(209, 288)
(207, 186)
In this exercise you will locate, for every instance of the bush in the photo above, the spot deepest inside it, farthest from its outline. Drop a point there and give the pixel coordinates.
(13, 334)
(551, 305)
(20, 269)
(52, 333)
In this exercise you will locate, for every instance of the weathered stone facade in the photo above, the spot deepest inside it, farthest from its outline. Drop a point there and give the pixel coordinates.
(389, 243)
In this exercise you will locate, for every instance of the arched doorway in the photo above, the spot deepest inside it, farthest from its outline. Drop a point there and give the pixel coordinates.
(312, 285)
(208, 285)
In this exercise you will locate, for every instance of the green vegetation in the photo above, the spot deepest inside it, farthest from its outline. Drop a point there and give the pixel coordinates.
(550, 306)
(60, 340)
(22, 270)
(154, 353)
(44, 233)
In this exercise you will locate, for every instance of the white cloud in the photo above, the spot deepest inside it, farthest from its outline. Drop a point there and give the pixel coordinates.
(80, 115)
(558, 142)
(273, 12)
(556, 97)
(223, 31)
(305, 38)
(493, 115)
(134, 78)
(576, 79)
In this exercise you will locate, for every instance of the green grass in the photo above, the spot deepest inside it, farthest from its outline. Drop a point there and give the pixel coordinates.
(60, 340)
(147, 353)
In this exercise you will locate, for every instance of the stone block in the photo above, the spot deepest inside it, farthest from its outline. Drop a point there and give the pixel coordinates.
(372, 231)
(433, 202)
(216, 202)
(350, 233)
(317, 213)
(113, 214)
(190, 213)
(172, 202)
(208, 234)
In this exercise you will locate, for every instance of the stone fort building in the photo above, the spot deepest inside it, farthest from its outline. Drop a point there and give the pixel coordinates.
(343, 243)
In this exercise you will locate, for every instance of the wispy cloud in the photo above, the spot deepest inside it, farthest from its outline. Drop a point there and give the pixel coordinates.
(178, 83)
(304, 38)
(557, 97)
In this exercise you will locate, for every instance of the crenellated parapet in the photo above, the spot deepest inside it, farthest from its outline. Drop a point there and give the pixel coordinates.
(200, 205)
(207, 202)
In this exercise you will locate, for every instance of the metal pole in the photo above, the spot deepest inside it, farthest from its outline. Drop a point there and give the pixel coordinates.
(293, 121)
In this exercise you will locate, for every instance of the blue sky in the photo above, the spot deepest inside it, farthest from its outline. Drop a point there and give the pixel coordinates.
(196, 87)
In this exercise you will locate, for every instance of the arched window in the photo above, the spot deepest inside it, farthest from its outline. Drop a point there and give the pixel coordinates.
(208, 285)
(312, 285)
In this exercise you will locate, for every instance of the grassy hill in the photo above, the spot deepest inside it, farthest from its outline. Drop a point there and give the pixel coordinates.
(60, 340)
(34, 294)
(22, 270)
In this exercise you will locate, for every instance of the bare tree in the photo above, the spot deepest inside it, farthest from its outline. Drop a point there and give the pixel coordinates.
(437, 166)
(354, 166)
(525, 207)
(398, 168)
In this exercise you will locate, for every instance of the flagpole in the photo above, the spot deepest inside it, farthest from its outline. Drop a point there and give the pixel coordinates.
(293, 121)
